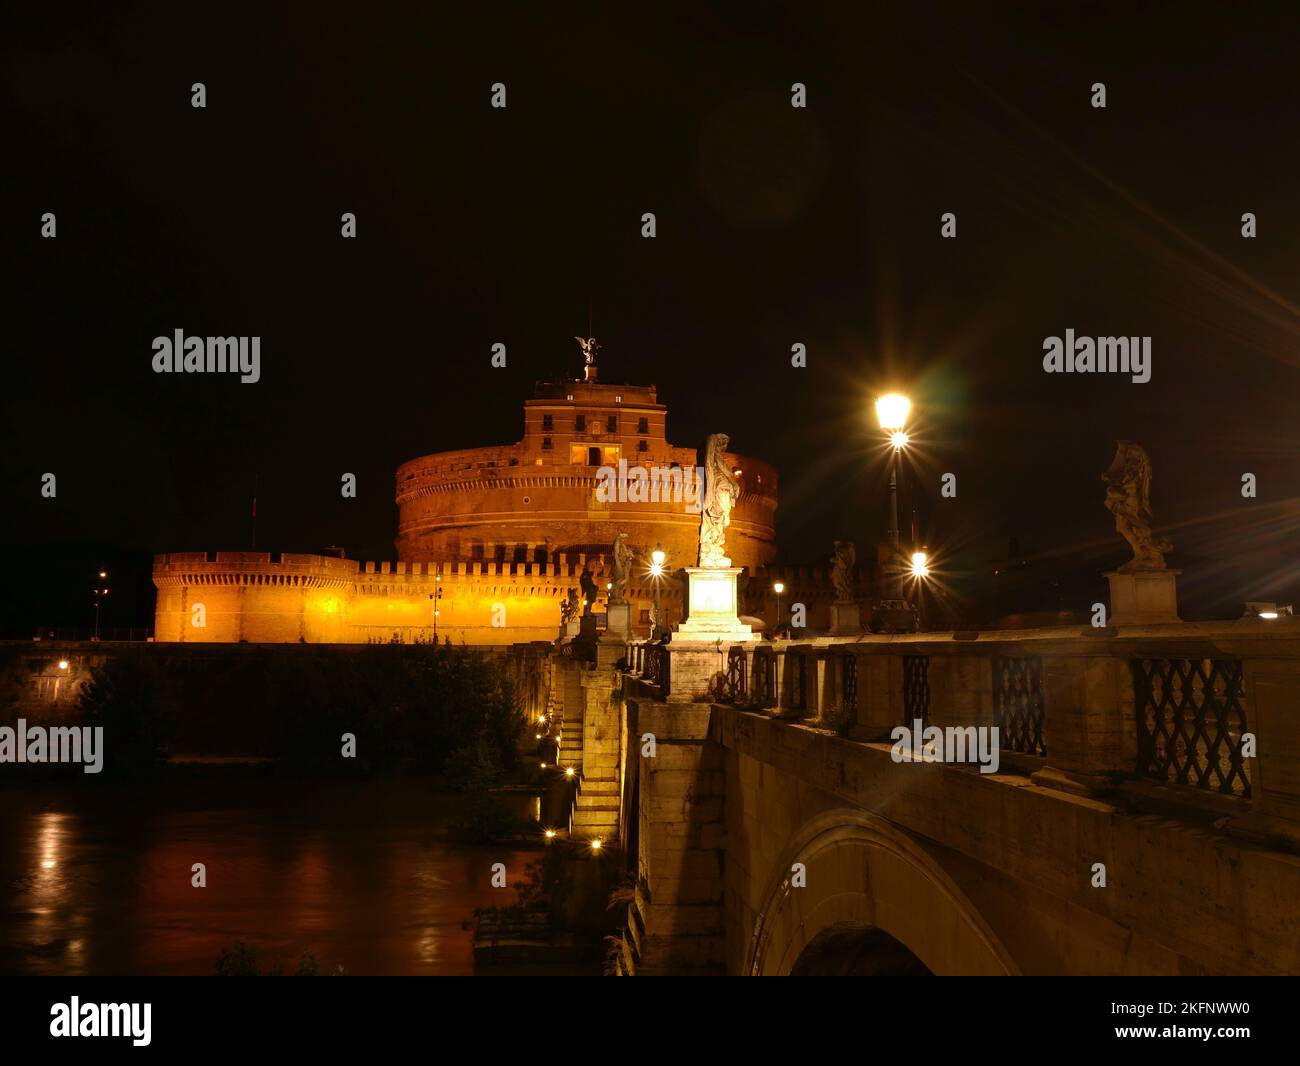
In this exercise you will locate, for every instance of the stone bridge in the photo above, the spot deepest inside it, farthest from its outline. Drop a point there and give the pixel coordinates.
(1144, 816)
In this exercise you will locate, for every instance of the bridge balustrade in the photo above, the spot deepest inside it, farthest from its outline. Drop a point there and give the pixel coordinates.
(798, 664)
(1018, 710)
(1173, 707)
(658, 666)
(846, 685)
(1191, 721)
(763, 692)
(735, 688)
(916, 690)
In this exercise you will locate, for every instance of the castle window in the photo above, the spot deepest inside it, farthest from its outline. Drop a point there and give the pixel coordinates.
(643, 425)
(521, 554)
(642, 446)
(645, 616)
(618, 399)
(593, 457)
(548, 423)
(539, 555)
(580, 424)
(476, 553)
(546, 444)
(611, 424)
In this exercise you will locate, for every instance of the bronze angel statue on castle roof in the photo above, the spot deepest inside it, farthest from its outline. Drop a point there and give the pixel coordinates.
(1128, 498)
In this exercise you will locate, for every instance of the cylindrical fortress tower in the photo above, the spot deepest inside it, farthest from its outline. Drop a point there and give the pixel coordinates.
(571, 485)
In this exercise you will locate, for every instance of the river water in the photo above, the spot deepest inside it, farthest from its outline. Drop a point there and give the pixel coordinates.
(95, 878)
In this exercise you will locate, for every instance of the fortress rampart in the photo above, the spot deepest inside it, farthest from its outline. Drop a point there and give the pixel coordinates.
(260, 597)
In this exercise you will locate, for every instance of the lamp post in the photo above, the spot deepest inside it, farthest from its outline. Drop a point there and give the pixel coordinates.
(101, 590)
(777, 587)
(657, 558)
(892, 411)
(436, 595)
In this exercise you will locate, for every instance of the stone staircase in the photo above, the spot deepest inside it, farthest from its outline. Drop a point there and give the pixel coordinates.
(596, 814)
(571, 744)
(589, 744)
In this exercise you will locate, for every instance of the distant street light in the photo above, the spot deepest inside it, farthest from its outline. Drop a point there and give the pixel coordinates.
(436, 596)
(777, 587)
(101, 590)
(920, 565)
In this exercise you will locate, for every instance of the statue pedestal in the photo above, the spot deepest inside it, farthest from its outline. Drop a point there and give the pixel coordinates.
(711, 602)
(618, 622)
(569, 630)
(846, 618)
(1143, 597)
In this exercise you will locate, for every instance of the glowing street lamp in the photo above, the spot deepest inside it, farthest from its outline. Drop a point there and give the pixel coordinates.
(920, 565)
(657, 558)
(891, 412)
(778, 587)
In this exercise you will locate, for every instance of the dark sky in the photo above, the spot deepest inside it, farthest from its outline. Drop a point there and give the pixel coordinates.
(775, 226)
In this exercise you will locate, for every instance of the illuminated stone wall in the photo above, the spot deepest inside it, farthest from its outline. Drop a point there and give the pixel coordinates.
(245, 596)
(263, 598)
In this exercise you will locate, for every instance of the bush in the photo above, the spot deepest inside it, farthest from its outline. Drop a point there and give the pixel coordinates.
(485, 819)
(126, 696)
(424, 708)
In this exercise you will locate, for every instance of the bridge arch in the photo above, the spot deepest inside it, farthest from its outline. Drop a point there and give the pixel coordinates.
(867, 879)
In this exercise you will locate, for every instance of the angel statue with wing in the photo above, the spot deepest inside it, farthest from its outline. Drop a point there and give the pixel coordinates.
(1128, 498)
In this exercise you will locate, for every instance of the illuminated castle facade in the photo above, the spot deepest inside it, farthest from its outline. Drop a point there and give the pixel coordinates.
(492, 538)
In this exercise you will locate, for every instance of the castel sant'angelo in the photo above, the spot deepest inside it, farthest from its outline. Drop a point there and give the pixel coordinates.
(492, 539)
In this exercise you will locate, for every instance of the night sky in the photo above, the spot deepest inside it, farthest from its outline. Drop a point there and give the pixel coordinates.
(776, 226)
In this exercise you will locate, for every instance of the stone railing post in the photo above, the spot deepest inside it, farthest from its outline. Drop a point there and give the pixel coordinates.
(1272, 705)
(823, 685)
(780, 680)
(880, 695)
(961, 690)
(1089, 723)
